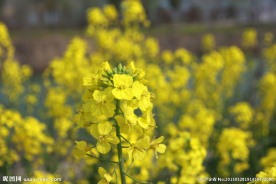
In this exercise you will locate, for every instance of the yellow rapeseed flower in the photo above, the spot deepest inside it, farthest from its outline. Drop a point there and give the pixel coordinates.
(249, 38)
(157, 146)
(103, 103)
(110, 12)
(105, 135)
(81, 149)
(122, 86)
(138, 150)
(141, 92)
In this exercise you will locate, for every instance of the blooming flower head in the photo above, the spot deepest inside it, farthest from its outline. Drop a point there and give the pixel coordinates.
(146, 120)
(117, 110)
(122, 86)
(110, 12)
(128, 110)
(81, 149)
(105, 136)
(139, 149)
(157, 146)
(103, 103)
(141, 92)
(269, 174)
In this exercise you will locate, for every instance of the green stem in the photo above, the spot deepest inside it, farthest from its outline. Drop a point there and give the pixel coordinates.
(119, 147)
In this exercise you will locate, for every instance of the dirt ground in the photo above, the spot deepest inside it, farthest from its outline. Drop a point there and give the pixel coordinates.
(38, 47)
(38, 52)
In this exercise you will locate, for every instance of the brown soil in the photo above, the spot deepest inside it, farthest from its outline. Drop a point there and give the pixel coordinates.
(38, 50)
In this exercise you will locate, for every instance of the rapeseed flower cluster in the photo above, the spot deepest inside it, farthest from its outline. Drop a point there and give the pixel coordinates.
(6, 48)
(234, 147)
(184, 157)
(22, 139)
(117, 111)
(270, 57)
(13, 75)
(243, 114)
(208, 42)
(269, 164)
(249, 38)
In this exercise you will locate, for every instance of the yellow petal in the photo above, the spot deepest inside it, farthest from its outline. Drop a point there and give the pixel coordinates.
(129, 114)
(122, 80)
(104, 128)
(145, 103)
(124, 126)
(159, 140)
(81, 144)
(88, 80)
(123, 93)
(94, 131)
(139, 154)
(130, 152)
(103, 147)
(143, 123)
(108, 177)
(128, 80)
(80, 149)
(161, 148)
(102, 172)
(98, 96)
(113, 139)
(127, 93)
(78, 153)
(87, 106)
(117, 93)
(143, 143)
(138, 88)
(106, 66)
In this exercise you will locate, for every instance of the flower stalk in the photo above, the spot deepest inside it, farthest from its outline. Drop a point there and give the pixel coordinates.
(120, 156)
(119, 146)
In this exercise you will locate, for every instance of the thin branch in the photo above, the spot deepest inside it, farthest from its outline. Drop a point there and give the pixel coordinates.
(129, 166)
(125, 139)
(141, 182)
(103, 160)
(114, 146)
(114, 172)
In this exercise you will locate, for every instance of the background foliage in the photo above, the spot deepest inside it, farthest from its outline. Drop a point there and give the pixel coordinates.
(216, 108)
